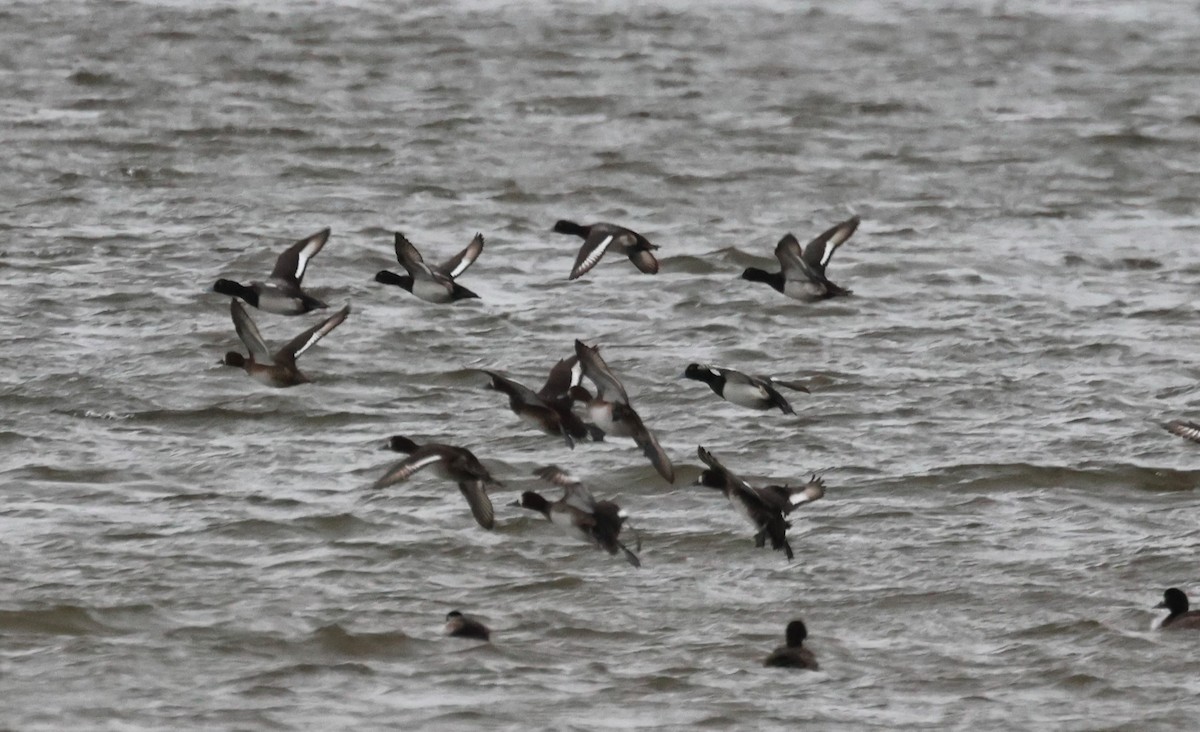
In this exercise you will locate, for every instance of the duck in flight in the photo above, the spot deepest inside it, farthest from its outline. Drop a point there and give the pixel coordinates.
(279, 369)
(545, 410)
(432, 284)
(281, 292)
(610, 410)
(599, 238)
(802, 274)
(755, 392)
(450, 462)
(578, 513)
(765, 508)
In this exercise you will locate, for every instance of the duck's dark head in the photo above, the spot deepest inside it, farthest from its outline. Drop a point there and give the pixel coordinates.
(235, 359)
(453, 615)
(711, 479)
(1174, 600)
(535, 502)
(399, 443)
(570, 227)
(796, 633)
(701, 372)
(579, 394)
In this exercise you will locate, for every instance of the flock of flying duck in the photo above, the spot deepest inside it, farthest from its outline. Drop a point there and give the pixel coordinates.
(560, 407)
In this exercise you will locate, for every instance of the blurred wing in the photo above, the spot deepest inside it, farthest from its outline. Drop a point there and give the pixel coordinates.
(475, 492)
(458, 264)
(644, 260)
(645, 439)
(561, 379)
(404, 470)
(305, 340)
(594, 247)
(608, 387)
(1186, 430)
(248, 332)
(819, 251)
(515, 390)
(290, 265)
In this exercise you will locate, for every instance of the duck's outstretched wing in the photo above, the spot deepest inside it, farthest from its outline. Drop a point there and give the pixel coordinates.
(290, 266)
(308, 338)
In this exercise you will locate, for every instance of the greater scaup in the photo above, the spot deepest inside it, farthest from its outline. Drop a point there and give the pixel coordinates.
(794, 654)
(578, 513)
(600, 237)
(803, 272)
(450, 462)
(432, 284)
(1180, 618)
(550, 415)
(765, 508)
(462, 626)
(281, 293)
(755, 392)
(611, 411)
(278, 370)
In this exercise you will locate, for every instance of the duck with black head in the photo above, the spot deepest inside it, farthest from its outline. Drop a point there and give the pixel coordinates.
(431, 284)
(1175, 601)
(463, 626)
(802, 273)
(282, 293)
(794, 654)
(599, 238)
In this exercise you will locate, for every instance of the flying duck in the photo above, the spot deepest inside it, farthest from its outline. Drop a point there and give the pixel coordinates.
(766, 507)
(599, 238)
(543, 410)
(281, 292)
(462, 626)
(1180, 618)
(803, 273)
(435, 284)
(578, 513)
(755, 392)
(793, 655)
(610, 410)
(278, 370)
(450, 462)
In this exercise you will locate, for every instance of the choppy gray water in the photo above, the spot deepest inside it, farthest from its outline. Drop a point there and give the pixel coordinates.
(184, 548)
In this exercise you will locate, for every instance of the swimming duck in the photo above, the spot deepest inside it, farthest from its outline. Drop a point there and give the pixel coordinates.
(436, 284)
(461, 626)
(610, 410)
(766, 507)
(1180, 618)
(543, 410)
(578, 513)
(599, 238)
(281, 293)
(755, 392)
(803, 273)
(450, 462)
(277, 370)
(1186, 430)
(793, 655)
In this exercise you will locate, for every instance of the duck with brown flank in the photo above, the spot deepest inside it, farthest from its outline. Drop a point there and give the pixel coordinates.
(599, 238)
(450, 462)
(278, 370)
